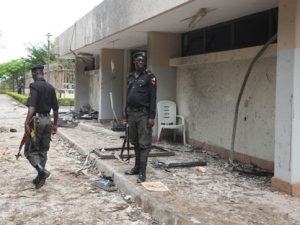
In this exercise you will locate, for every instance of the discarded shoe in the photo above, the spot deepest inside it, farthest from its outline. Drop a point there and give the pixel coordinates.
(106, 184)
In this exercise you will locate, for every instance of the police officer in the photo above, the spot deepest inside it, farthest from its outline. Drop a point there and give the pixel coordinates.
(41, 100)
(140, 111)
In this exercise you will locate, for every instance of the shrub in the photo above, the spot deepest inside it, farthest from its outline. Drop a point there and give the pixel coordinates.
(23, 99)
(65, 101)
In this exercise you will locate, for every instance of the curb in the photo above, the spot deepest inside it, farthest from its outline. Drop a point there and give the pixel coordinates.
(158, 211)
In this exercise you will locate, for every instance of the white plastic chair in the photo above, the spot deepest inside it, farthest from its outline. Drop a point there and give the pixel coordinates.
(167, 118)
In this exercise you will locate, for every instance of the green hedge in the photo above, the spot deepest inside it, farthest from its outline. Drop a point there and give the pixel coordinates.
(23, 98)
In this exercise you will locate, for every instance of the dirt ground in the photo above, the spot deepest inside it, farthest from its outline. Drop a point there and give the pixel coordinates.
(66, 198)
(217, 196)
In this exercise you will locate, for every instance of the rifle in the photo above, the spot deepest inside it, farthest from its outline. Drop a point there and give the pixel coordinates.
(21, 145)
(32, 135)
(126, 139)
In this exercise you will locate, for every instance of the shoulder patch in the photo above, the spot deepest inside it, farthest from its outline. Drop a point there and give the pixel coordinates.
(153, 81)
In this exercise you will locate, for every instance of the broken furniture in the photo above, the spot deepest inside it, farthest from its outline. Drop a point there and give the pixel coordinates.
(167, 118)
(106, 153)
(159, 164)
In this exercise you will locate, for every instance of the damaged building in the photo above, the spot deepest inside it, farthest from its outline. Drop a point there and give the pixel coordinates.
(230, 66)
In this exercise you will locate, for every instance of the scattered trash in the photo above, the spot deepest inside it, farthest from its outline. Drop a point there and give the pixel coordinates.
(94, 178)
(128, 199)
(155, 186)
(106, 184)
(200, 169)
(86, 112)
(3, 129)
(159, 164)
(13, 130)
(250, 169)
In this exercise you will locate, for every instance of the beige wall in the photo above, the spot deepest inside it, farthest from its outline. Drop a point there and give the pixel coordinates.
(289, 23)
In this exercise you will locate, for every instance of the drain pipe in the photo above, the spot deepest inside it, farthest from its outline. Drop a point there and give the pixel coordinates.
(270, 41)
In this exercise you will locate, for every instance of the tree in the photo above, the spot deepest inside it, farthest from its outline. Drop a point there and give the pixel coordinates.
(12, 73)
(39, 54)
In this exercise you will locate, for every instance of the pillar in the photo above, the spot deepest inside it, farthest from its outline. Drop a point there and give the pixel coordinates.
(287, 119)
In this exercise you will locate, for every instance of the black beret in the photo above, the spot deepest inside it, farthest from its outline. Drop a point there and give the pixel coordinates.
(138, 54)
(37, 67)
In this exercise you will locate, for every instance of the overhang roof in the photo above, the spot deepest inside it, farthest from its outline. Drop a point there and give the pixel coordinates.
(178, 20)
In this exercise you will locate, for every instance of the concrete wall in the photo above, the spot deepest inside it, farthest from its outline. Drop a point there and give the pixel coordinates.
(207, 90)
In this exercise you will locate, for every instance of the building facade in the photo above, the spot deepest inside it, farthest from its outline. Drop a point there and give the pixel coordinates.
(201, 53)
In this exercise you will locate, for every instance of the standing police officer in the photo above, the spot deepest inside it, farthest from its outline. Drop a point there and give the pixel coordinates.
(41, 100)
(140, 110)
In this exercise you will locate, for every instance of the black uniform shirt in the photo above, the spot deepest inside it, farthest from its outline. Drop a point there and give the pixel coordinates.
(141, 91)
(42, 96)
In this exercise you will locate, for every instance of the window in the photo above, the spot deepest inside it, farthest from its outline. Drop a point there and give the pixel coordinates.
(218, 38)
(251, 31)
(193, 43)
(247, 31)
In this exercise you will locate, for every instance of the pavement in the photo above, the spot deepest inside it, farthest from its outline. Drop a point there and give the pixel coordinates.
(214, 195)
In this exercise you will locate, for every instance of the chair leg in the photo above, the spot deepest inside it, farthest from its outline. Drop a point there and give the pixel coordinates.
(184, 139)
(158, 135)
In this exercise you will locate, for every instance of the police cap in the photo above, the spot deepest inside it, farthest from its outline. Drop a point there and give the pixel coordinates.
(37, 67)
(139, 54)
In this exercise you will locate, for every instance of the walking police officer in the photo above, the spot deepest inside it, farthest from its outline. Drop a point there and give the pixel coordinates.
(41, 100)
(141, 111)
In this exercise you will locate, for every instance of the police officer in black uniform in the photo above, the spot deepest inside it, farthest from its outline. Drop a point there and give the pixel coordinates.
(41, 100)
(141, 111)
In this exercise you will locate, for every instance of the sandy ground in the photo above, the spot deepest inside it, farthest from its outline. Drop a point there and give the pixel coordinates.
(66, 198)
(219, 195)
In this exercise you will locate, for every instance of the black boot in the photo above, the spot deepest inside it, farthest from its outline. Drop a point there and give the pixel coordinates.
(35, 180)
(142, 174)
(43, 174)
(136, 169)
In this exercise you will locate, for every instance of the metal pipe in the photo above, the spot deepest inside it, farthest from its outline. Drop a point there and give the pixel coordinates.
(48, 63)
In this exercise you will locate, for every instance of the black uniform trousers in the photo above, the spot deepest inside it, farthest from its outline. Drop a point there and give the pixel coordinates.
(140, 135)
(36, 152)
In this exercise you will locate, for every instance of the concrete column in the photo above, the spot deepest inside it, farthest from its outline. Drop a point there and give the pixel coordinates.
(287, 120)
(111, 81)
(81, 83)
(161, 48)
